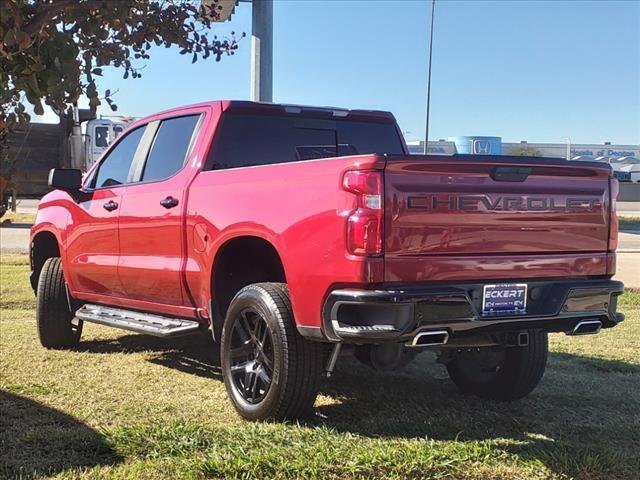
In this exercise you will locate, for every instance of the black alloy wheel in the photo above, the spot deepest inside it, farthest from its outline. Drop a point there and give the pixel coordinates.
(251, 356)
(270, 371)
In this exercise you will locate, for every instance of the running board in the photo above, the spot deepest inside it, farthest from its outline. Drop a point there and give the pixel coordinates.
(139, 322)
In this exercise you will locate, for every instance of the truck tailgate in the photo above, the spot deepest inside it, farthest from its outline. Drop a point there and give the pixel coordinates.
(466, 206)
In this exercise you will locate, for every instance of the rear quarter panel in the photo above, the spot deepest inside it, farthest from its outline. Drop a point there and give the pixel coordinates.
(299, 207)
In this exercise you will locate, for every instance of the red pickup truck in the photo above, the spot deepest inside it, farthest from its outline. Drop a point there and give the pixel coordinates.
(293, 231)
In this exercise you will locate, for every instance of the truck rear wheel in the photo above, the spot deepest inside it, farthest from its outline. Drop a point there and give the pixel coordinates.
(269, 370)
(57, 327)
(501, 373)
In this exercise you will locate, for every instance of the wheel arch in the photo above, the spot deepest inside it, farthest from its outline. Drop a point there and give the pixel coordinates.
(45, 244)
(241, 261)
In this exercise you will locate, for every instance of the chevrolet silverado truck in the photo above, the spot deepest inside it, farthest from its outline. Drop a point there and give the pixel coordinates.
(291, 232)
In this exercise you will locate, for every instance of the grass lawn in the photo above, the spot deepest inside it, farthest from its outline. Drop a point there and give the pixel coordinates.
(20, 218)
(128, 406)
(629, 223)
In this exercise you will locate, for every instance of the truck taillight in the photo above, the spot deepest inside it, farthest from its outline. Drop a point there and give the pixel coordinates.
(364, 225)
(613, 215)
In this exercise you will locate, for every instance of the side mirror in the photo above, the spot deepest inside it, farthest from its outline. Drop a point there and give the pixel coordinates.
(69, 179)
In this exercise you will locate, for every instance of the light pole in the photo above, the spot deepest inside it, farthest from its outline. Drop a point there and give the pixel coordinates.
(262, 51)
(426, 126)
(567, 140)
(261, 42)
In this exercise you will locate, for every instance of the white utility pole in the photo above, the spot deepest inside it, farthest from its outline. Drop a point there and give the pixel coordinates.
(426, 126)
(261, 42)
(567, 140)
(262, 51)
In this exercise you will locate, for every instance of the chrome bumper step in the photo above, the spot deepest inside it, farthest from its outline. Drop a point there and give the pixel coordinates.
(140, 322)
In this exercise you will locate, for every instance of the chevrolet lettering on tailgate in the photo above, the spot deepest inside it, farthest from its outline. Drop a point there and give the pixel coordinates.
(506, 203)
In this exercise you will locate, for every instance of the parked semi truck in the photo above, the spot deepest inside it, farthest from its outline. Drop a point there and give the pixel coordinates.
(294, 232)
(33, 149)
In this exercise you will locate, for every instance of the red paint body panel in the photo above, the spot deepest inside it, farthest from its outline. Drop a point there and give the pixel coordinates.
(469, 234)
(152, 248)
(457, 268)
(92, 246)
(274, 202)
(145, 257)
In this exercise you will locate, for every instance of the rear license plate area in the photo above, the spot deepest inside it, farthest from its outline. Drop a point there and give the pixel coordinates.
(504, 299)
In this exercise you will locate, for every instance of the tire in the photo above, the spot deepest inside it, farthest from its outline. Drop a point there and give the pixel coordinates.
(269, 370)
(57, 327)
(503, 374)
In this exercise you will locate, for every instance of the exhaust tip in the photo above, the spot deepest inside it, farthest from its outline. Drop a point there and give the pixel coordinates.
(586, 327)
(430, 339)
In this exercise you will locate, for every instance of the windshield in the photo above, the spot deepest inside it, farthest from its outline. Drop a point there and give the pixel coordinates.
(102, 136)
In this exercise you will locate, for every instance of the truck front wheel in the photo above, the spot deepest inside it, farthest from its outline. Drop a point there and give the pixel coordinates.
(501, 373)
(57, 327)
(269, 370)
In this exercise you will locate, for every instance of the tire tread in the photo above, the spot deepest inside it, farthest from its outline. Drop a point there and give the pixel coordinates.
(302, 359)
(522, 371)
(53, 316)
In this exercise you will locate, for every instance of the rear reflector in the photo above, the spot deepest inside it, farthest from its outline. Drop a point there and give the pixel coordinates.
(613, 214)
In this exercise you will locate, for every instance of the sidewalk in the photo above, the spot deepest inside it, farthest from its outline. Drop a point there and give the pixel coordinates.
(628, 209)
(628, 269)
(15, 239)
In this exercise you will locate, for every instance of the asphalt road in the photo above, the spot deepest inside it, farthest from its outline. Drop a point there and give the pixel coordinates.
(28, 205)
(15, 239)
(628, 209)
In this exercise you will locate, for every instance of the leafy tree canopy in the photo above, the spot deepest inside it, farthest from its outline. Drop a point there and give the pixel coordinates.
(53, 50)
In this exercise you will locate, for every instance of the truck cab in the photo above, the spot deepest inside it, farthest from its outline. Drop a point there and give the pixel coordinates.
(99, 133)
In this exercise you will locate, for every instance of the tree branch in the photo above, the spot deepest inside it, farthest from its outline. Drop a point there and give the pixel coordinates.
(42, 18)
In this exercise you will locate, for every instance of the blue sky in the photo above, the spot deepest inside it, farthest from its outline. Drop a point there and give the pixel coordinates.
(538, 70)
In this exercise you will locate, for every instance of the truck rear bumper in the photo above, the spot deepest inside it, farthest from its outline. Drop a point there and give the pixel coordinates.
(402, 314)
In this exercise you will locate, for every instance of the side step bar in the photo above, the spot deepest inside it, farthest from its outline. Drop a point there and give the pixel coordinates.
(139, 322)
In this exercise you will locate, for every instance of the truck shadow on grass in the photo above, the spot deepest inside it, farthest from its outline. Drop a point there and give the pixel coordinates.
(37, 440)
(195, 354)
(581, 421)
(421, 401)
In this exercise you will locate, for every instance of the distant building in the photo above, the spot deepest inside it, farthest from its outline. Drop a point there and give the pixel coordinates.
(481, 145)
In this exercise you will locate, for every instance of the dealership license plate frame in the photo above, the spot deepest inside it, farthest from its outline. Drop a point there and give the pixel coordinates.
(509, 306)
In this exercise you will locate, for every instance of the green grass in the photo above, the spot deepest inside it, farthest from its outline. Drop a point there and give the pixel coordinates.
(23, 218)
(629, 223)
(127, 407)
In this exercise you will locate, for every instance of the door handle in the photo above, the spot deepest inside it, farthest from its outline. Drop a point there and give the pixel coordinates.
(110, 205)
(169, 202)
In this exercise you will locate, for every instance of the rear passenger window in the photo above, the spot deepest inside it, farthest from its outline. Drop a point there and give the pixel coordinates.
(170, 147)
(250, 139)
(114, 169)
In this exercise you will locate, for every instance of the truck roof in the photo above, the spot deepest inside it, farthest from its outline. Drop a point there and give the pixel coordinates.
(274, 108)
